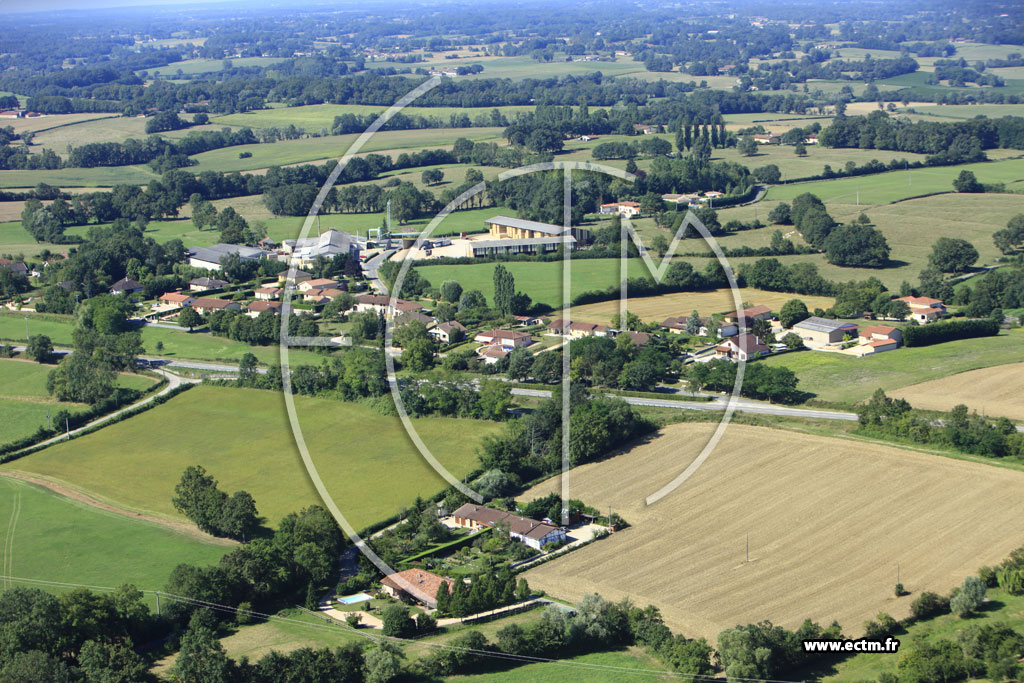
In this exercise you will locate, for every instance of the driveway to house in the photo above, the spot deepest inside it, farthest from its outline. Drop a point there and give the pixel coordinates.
(367, 620)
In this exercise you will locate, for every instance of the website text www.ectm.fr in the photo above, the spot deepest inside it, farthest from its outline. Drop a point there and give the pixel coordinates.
(887, 646)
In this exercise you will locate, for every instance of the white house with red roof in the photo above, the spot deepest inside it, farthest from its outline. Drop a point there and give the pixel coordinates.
(923, 309)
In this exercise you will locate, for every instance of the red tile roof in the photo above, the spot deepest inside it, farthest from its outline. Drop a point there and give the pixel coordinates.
(416, 582)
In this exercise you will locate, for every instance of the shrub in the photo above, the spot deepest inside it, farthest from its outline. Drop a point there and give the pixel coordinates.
(929, 605)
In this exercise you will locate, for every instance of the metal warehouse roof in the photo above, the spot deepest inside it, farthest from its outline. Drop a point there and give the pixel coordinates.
(816, 324)
(523, 224)
(531, 241)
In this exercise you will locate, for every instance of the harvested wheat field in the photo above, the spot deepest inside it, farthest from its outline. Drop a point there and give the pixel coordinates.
(657, 308)
(992, 391)
(828, 519)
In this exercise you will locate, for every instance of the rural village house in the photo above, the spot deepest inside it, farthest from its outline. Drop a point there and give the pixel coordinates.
(529, 531)
(414, 585)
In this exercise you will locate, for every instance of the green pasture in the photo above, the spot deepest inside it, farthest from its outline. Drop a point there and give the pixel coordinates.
(106, 176)
(1000, 608)
(969, 111)
(243, 438)
(53, 538)
(308, 150)
(15, 239)
(25, 402)
(313, 117)
(204, 66)
(839, 378)
(177, 344)
(884, 188)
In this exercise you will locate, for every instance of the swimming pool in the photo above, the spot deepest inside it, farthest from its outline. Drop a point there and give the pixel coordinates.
(353, 599)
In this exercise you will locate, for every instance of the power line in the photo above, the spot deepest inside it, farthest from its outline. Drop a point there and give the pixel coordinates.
(339, 627)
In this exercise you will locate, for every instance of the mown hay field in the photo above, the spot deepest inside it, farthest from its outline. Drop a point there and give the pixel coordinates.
(992, 391)
(657, 308)
(828, 522)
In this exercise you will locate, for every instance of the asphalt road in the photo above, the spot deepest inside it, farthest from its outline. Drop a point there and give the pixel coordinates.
(717, 404)
(173, 382)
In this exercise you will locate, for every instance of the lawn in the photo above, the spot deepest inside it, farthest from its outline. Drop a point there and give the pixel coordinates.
(25, 405)
(176, 343)
(845, 379)
(242, 437)
(308, 150)
(53, 538)
(313, 117)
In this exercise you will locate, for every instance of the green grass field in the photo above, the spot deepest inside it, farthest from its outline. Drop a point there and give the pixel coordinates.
(117, 129)
(969, 111)
(53, 538)
(631, 664)
(177, 343)
(884, 188)
(25, 403)
(14, 239)
(242, 437)
(305, 150)
(845, 379)
(205, 66)
(79, 177)
(527, 67)
(1001, 608)
(790, 165)
(313, 117)
(541, 281)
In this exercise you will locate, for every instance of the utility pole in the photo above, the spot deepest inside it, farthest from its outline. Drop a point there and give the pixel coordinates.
(26, 328)
(158, 603)
(897, 572)
(67, 429)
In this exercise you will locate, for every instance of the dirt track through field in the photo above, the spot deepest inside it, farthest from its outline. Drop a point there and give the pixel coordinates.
(828, 522)
(991, 391)
(73, 494)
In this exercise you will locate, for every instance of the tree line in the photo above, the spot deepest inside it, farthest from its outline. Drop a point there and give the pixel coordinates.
(958, 429)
